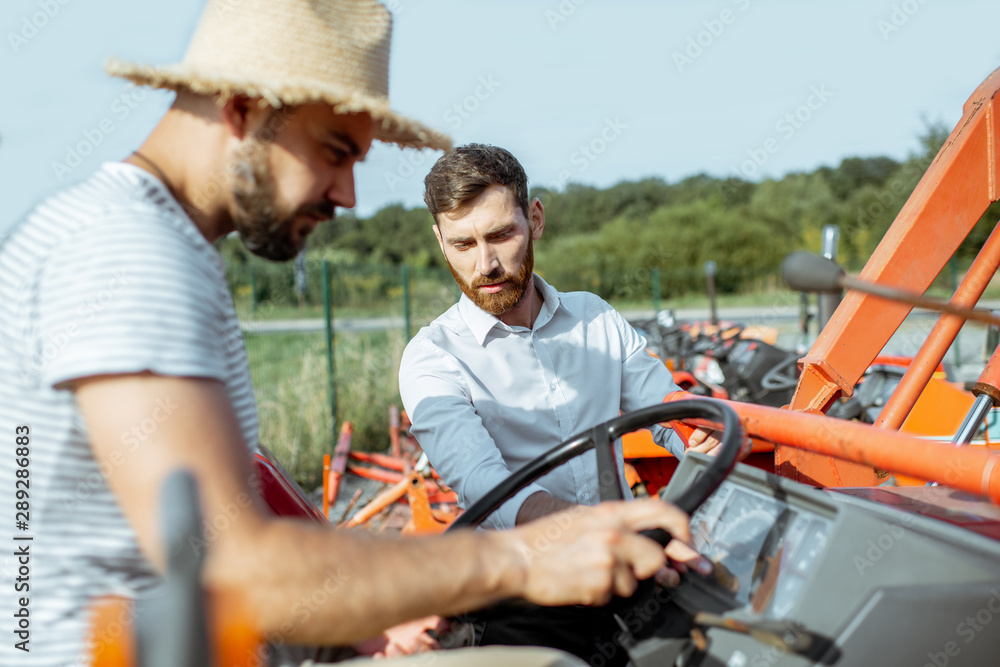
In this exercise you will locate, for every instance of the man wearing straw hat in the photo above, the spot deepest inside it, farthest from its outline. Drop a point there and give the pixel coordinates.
(123, 360)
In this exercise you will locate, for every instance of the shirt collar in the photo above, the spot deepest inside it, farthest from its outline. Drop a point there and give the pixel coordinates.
(481, 323)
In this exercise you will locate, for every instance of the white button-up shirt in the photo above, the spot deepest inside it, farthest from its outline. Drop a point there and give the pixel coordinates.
(485, 398)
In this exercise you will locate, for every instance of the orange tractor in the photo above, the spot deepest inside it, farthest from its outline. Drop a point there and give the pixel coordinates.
(822, 562)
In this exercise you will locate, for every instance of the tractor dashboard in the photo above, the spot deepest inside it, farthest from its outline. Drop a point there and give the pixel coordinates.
(871, 576)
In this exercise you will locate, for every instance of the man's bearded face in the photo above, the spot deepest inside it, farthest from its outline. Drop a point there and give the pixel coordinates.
(513, 292)
(266, 229)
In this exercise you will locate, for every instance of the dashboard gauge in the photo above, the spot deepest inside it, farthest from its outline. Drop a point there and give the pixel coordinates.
(760, 546)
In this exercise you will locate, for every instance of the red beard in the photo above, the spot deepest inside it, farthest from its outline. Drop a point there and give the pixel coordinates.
(512, 293)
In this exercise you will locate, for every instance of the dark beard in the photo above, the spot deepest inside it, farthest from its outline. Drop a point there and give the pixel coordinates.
(263, 229)
(513, 292)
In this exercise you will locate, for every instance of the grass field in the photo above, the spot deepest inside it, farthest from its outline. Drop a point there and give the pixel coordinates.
(290, 379)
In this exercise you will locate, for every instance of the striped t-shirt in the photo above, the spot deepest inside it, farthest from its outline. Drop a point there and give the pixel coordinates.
(110, 276)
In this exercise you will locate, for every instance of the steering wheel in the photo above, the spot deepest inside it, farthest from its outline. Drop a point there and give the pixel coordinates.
(777, 377)
(602, 438)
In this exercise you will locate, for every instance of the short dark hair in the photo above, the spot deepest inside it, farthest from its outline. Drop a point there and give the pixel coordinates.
(463, 174)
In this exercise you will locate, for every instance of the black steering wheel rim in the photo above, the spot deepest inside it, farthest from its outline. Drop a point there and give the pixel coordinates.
(602, 437)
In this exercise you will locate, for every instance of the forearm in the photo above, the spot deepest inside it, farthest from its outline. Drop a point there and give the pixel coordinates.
(307, 584)
(304, 582)
(540, 504)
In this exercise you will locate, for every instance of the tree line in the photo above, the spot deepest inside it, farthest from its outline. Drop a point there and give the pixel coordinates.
(609, 240)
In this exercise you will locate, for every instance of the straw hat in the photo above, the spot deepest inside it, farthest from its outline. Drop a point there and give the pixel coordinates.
(293, 52)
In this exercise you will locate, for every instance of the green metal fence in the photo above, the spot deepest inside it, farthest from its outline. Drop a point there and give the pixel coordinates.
(324, 341)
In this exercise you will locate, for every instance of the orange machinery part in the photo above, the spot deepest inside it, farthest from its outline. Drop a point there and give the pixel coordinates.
(326, 485)
(232, 633)
(392, 462)
(380, 502)
(989, 379)
(112, 635)
(686, 380)
(438, 492)
(942, 210)
(423, 520)
(399, 464)
(339, 464)
(657, 472)
(971, 469)
(655, 465)
(905, 397)
(939, 411)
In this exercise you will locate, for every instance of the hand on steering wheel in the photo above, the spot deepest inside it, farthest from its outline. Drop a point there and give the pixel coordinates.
(705, 441)
(600, 549)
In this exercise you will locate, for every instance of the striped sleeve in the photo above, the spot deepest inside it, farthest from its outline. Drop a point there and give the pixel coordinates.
(126, 296)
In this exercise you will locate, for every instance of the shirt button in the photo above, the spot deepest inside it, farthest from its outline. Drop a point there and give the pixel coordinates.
(552, 386)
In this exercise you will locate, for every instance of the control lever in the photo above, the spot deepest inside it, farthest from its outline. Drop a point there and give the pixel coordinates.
(787, 636)
(805, 272)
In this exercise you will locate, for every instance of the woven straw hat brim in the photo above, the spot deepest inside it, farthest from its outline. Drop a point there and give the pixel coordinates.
(390, 126)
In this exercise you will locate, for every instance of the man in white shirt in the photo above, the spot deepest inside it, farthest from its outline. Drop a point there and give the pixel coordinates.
(516, 367)
(123, 361)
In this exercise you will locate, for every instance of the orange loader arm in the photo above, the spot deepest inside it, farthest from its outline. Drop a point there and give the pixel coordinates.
(971, 469)
(962, 181)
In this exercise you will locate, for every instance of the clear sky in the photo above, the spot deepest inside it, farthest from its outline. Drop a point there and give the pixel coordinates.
(588, 91)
